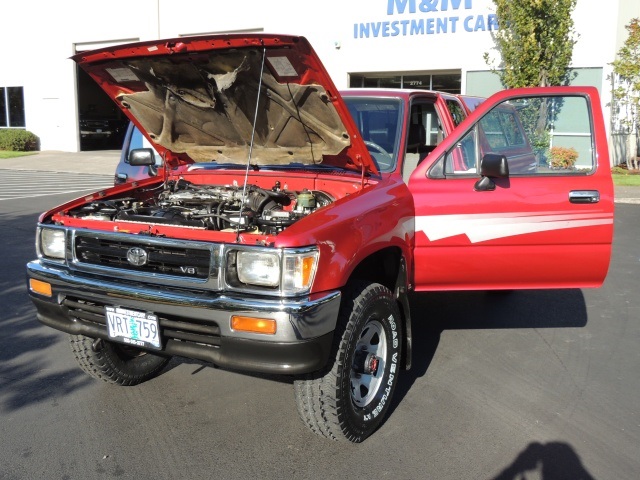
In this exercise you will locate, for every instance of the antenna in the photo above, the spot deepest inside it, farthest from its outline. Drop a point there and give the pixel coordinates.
(253, 132)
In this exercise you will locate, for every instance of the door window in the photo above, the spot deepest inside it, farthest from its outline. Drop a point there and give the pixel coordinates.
(537, 135)
(456, 111)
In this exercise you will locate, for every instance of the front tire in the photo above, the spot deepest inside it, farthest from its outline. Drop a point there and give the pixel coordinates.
(350, 398)
(114, 363)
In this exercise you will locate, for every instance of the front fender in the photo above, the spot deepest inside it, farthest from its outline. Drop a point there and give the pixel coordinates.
(355, 227)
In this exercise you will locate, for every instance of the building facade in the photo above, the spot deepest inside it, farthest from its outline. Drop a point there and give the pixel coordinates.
(430, 44)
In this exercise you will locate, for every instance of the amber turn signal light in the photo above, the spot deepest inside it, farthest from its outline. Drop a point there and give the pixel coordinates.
(254, 325)
(42, 288)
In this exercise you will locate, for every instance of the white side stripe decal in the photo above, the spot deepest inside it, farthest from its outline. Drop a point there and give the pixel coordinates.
(486, 226)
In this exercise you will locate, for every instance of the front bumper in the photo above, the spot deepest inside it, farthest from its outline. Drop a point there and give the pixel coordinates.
(195, 323)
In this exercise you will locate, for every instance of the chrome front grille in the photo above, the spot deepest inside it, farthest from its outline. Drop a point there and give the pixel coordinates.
(181, 260)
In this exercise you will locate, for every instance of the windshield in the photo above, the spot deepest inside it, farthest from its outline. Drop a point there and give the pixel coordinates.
(379, 122)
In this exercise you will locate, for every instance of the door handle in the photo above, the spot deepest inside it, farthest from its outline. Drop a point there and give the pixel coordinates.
(584, 196)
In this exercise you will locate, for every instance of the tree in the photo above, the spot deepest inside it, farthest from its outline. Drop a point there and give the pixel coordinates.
(626, 95)
(535, 41)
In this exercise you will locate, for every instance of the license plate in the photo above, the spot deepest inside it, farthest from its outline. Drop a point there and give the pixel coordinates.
(132, 327)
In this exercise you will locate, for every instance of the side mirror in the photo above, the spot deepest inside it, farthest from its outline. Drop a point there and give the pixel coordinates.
(491, 166)
(141, 157)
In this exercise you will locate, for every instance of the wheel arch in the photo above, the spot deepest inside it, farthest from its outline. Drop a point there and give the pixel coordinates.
(388, 267)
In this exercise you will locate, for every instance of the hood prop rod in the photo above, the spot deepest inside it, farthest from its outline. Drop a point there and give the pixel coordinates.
(253, 132)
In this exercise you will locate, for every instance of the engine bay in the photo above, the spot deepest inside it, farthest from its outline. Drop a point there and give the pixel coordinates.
(249, 209)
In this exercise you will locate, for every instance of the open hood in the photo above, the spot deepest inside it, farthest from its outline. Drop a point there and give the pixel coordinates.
(195, 100)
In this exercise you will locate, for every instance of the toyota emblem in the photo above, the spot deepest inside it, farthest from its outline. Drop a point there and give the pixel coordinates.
(137, 256)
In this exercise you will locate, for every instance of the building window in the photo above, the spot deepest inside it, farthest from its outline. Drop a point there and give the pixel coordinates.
(12, 107)
(449, 82)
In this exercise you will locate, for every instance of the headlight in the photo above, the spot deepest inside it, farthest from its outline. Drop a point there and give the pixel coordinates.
(52, 243)
(259, 268)
(276, 272)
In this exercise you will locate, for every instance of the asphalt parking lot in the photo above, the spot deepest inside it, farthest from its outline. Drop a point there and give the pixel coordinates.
(505, 385)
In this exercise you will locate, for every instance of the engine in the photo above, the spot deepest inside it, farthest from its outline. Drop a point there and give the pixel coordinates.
(213, 207)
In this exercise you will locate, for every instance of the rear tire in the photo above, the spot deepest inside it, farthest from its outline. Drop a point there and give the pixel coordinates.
(114, 363)
(350, 398)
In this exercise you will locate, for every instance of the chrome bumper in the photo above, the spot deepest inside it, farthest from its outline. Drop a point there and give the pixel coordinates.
(301, 344)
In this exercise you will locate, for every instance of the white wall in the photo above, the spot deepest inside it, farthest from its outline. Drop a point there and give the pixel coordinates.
(45, 35)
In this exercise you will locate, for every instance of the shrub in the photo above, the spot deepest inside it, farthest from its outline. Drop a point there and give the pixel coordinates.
(623, 169)
(16, 140)
(563, 158)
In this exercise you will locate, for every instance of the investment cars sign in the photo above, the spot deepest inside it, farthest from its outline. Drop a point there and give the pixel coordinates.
(426, 17)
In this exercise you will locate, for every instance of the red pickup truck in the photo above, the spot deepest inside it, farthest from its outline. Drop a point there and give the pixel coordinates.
(290, 222)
